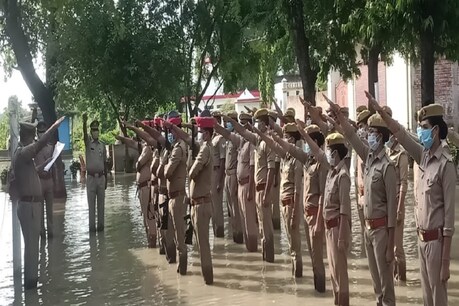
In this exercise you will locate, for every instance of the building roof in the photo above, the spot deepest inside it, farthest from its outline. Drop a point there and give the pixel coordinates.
(241, 96)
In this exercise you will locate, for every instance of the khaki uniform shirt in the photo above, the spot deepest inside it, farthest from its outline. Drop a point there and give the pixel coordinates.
(175, 170)
(380, 191)
(41, 158)
(95, 156)
(144, 161)
(399, 158)
(337, 199)
(436, 185)
(291, 176)
(315, 174)
(162, 183)
(218, 149)
(231, 155)
(201, 172)
(27, 180)
(245, 156)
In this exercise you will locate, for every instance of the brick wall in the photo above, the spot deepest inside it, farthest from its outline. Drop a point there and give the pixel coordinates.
(361, 84)
(446, 89)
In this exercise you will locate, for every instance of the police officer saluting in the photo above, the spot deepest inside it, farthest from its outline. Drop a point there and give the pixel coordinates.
(96, 184)
(29, 192)
(435, 200)
(46, 179)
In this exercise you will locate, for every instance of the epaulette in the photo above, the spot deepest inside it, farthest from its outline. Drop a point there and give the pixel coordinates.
(447, 155)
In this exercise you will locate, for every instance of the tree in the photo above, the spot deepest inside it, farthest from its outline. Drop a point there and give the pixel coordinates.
(429, 30)
(371, 24)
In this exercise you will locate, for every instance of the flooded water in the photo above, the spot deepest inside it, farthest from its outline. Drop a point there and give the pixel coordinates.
(116, 268)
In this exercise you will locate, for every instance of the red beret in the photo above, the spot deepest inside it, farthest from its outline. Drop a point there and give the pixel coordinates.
(158, 121)
(175, 120)
(205, 122)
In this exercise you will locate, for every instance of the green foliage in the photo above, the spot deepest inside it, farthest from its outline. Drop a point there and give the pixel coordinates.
(227, 107)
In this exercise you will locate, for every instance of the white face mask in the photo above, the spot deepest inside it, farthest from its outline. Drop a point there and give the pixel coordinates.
(330, 158)
(257, 125)
(306, 148)
(308, 122)
(200, 137)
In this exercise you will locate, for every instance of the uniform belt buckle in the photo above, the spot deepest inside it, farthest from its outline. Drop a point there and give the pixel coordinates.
(368, 224)
(421, 235)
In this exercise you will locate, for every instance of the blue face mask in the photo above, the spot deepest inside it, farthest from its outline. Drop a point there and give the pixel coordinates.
(229, 126)
(306, 149)
(373, 142)
(425, 137)
(170, 138)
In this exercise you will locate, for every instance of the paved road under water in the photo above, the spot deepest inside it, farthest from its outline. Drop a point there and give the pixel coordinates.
(116, 268)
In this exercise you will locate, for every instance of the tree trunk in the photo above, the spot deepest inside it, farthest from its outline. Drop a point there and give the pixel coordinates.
(373, 63)
(427, 67)
(42, 94)
(294, 10)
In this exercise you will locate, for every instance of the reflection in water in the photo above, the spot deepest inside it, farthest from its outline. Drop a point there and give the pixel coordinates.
(115, 267)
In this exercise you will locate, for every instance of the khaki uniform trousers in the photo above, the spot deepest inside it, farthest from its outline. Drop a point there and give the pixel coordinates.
(95, 187)
(434, 291)
(166, 237)
(294, 239)
(148, 213)
(201, 215)
(249, 217)
(317, 253)
(217, 205)
(177, 212)
(337, 262)
(275, 193)
(30, 214)
(400, 262)
(231, 190)
(47, 187)
(381, 272)
(267, 230)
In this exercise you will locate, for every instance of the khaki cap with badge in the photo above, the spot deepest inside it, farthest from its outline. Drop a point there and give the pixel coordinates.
(312, 129)
(432, 110)
(376, 121)
(335, 139)
(290, 128)
(365, 114)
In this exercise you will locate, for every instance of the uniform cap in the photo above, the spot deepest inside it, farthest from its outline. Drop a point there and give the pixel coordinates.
(216, 113)
(205, 122)
(41, 127)
(205, 113)
(174, 118)
(361, 108)
(387, 109)
(245, 116)
(232, 114)
(260, 113)
(147, 122)
(27, 127)
(432, 110)
(94, 125)
(290, 128)
(312, 129)
(335, 139)
(273, 114)
(158, 121)
(376, 121)
(290, 112)
(365, 114)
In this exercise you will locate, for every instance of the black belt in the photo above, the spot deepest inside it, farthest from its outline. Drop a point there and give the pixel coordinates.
(96, 174)
(37, 199)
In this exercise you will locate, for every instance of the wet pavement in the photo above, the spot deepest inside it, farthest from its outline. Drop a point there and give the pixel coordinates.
(116, 268)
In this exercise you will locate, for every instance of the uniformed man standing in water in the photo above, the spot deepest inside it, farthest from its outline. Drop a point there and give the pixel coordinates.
(47, 185)
(96, 158)
(30, 196)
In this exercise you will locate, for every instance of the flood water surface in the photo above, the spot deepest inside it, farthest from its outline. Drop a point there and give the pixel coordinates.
(116, 268)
